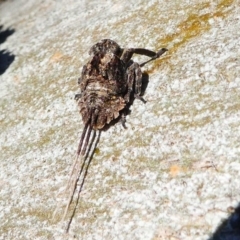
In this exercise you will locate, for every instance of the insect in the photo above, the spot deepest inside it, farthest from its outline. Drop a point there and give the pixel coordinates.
(106, 83)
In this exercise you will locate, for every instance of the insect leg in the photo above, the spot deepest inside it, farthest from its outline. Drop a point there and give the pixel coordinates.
(123, 120)
(134, 74)
(138, 78)
(130, 82)
(128, 53)
(77, 96)
(158, 54)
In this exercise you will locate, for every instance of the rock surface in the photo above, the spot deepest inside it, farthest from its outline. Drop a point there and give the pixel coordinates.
(173, 173)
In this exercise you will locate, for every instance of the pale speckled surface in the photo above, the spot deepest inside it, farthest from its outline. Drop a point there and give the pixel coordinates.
(173, 172)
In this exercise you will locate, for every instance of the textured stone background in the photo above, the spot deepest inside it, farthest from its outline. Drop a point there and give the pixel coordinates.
(173, 173)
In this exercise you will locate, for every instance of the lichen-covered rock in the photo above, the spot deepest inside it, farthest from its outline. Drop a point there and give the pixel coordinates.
(173, 172)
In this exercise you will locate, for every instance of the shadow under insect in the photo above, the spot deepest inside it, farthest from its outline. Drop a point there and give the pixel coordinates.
(6, 57)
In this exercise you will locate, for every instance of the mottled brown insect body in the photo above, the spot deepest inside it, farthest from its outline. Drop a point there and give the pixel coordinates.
(106, 83)
(103, 83)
